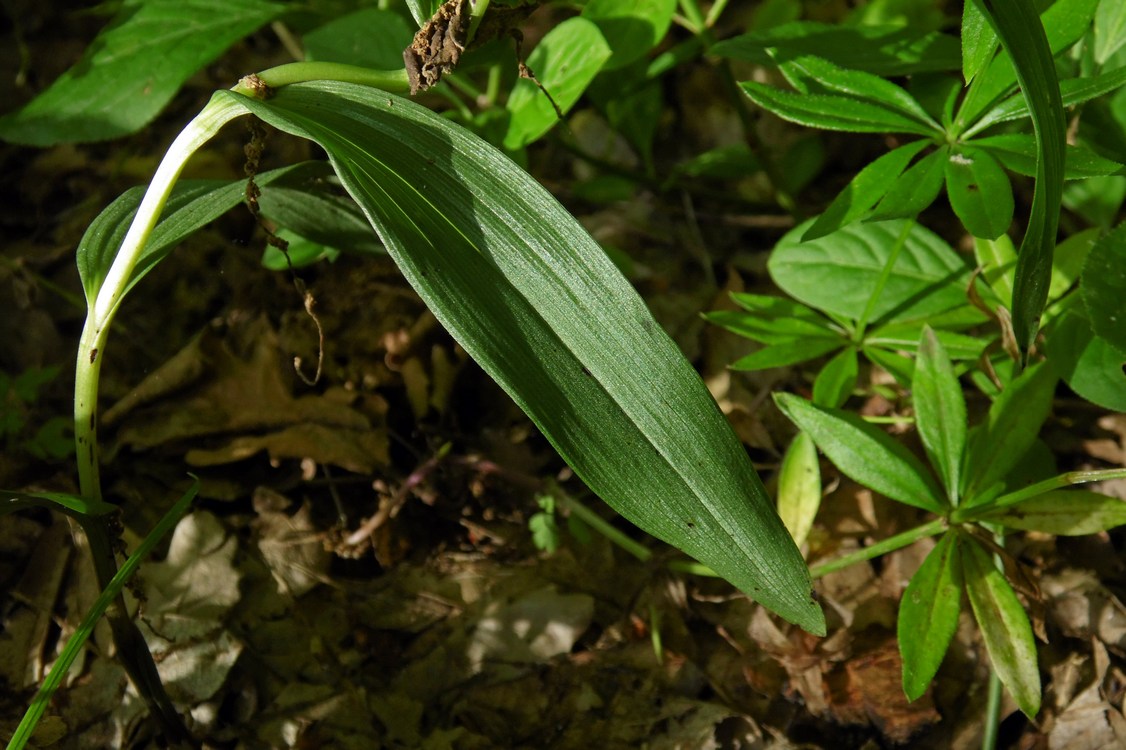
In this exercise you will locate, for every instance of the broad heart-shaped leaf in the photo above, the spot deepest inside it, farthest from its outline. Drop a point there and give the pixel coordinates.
(928, 615)
(838, 272)
(133, 68)
(1062, 512)
(631, 27)
(866, 189)
(1104, 288)
(833, 112)
(980, 192)
(1013, 422)
(865, 453)
(193, 204)
(915, 189)
(940, 411)
(1004, 626)
(799, 487)
(536, 302)
(565, 62)
(1023, 37)
(883, 50)
(1017, 151)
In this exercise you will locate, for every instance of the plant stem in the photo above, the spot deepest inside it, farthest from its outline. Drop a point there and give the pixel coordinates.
(601, 525)
(302, 72)
(890, 544)
(992, 712)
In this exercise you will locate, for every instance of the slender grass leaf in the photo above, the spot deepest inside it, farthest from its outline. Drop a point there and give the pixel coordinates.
(837, 379)
(1017, 152)
(787, 353)
(77, 641)
(1011, 427)
(866, 189)
(812, 74)
(1023, 37)
(72, 505)
(883, 50)
(193, 204)
(830, 112)
(1110, 29)
(565, 61)
(1004, 626)
(370, 38)
(799, 487)
(1104, 288)
(865, 453)
(1063, 512)
(1089, 364)
(537, 303)
(928, 615)
(915, 189)
(133, 68)
(979, 42)
(940, 411)
(630, 27)
(837, 273)
(980, 192)
(1073, 91)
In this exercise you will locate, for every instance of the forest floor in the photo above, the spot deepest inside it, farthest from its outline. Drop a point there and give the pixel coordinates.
(360, 570)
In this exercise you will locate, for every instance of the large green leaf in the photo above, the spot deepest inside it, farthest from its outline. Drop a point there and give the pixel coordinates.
(940, 411)
(193, 204)
(536, 302)
(928, 615)
(133, 68)
(1091, 366)
(838, 272)
(1110, 29)
(865, 453)
(1104, 288)
(564, 62)
(1004, 626)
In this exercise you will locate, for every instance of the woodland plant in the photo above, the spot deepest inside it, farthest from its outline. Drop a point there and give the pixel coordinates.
(535, 300)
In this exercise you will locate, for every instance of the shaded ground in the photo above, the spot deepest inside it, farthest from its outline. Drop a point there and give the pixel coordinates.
(360, 571)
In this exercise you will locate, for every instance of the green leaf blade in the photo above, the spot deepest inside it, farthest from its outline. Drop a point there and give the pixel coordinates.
(1103, 288)
(537, 303)
(1062, 512)
(1004, 627)
(928, 615)
(832, 112)
(980, 192)
(940, 411)
(865, 453)
(799, 487)
(134, 68)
